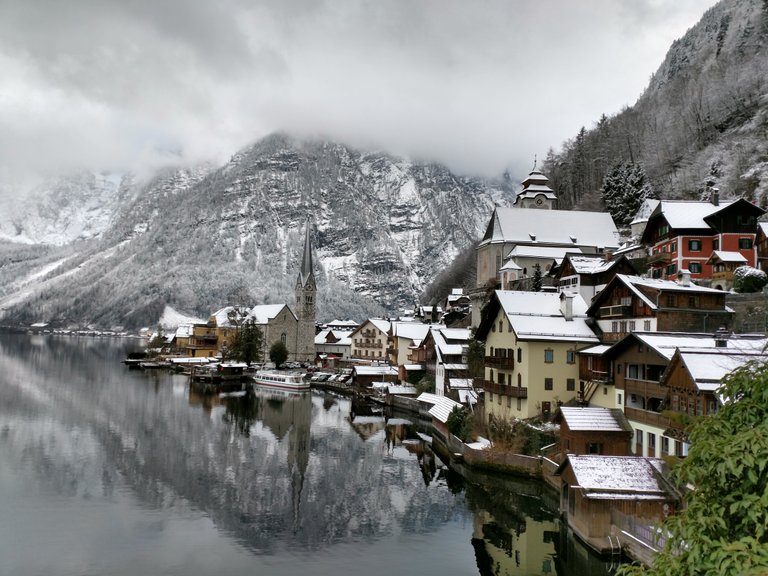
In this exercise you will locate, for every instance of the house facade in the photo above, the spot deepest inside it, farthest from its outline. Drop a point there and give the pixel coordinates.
(589, 274)
(630, 304)
(593, 430)
(682, 235)
(531, 345)
(370, 340)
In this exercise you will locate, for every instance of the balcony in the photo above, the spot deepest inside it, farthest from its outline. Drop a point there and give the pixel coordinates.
(660, 258)
(615, 311)
(505, 363)
(596, 376)
(502, 389)
(370, 345)
(647, 417)
(645, 388)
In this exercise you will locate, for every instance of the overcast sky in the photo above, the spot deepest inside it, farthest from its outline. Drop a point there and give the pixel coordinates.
(478, 85)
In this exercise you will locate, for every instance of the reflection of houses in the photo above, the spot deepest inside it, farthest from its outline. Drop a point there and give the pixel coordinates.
(683, 234)
(600, 492)
(593, 431)
(369, 340)
(630, 304)
(589, 274)
(531, 343)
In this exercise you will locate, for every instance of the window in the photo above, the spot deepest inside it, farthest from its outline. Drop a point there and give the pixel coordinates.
(283, 338)
(548, 382)
(632, 371)
(618, 400)
(519, 380)
(519, 354)
(693, 301)
(614, 326)
(745, 243)
(664, 445)
(549, 356)
(671, 269)
(631, 325)
(639, 437)
(694, 267)
(673, 247)
(570, 357)
(672, 300)
(594, 448)
(501, 325)
(647, 325)
(622, 326)
(570, 384)
(694, 245)
(651, 444)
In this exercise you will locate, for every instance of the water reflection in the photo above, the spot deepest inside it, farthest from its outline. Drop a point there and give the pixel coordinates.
(111, 470)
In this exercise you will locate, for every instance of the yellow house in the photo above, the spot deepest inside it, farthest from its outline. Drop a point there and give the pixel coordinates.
(531, 344)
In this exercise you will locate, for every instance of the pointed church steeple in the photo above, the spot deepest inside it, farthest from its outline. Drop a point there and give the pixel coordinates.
(306, 269)
(306, 289)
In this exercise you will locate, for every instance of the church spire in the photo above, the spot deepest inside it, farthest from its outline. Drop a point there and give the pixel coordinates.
(306, 260)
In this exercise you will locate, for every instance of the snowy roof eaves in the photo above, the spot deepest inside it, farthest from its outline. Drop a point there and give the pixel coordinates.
(442, 408)
(263, 313)
(554, 227)
(594, 419)
(726, 256)
(689, 214)
(624, 476)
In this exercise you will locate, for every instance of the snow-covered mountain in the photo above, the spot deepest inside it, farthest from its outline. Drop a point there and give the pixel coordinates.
(197, 239)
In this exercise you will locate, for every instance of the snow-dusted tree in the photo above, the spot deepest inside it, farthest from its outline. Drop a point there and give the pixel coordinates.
(624, 190)
(748, 279)
(537, 280)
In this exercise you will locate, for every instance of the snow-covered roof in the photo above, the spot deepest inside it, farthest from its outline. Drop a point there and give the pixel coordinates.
(708, 368)
(410, 330)
(375, 370)
(510, 265)
(516, 225)
(442, 408)
(184, 331)
(635, 283)
(537, 316)
(589, 264)
(726, 256)
(461, 383)
(230, 316)
(645, 210)
(263, 313)
(461, 334)
(381, 324)
(414, 367)
(594, 419)
(598, 350)
(689, 214)
(666, 343)
(401, 389)
(343, 338)
(455, 366)
(618, 477)
(550, 252)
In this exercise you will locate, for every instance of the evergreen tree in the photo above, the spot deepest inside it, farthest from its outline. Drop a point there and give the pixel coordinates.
(537, 281)
(246, 345)
(278, 353)
(624, 190)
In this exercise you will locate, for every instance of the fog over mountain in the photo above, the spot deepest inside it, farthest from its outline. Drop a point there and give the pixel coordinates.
(198, 239)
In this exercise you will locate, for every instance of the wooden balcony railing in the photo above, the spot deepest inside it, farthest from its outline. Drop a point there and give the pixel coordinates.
(506, 363)
(647, 417)
(503, 389)
(615, 311)
(645, 388)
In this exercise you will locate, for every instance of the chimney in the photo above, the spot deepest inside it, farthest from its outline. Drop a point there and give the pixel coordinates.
(721, 337)
(566, 305)
(685, 277)
(714, 196)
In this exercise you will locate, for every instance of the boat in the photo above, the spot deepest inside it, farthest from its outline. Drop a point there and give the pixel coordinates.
(280, 380)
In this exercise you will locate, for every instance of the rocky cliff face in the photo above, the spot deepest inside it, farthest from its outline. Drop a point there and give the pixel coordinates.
(383, 228)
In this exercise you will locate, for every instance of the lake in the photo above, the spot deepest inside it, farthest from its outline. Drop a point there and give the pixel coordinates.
(106, 470)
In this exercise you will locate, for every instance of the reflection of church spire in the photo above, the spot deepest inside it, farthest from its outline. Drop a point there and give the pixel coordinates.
(298, 450)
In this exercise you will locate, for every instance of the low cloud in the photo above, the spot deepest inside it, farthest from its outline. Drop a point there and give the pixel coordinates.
(481, 86)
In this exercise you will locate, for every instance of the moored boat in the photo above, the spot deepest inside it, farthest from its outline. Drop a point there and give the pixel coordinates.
(280, 380)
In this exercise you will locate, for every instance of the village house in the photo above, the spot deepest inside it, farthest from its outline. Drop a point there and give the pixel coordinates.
(226, 321)
(631, 303)
(531, 345)
(593, 430)
(761, 242)
(405, 338)
(595, 382)
(637, 367)
(684, 234)
(369, 340)
(588, 274)
(445, 359)
(603, 496)
(203, 341)
(332, 346)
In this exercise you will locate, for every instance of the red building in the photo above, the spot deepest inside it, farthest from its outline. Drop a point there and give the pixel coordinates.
(685, 234)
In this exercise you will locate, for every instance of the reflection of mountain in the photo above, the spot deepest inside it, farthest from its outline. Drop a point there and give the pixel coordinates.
(272, 473)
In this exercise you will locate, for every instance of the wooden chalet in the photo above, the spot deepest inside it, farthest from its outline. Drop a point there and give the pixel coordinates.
(595, 430)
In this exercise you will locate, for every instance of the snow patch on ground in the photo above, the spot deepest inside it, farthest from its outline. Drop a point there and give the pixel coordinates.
(172, 318)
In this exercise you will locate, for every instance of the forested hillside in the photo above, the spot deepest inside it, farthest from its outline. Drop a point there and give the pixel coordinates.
(702, 120)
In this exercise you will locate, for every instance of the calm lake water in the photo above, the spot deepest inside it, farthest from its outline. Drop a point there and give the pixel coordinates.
(110, 471)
